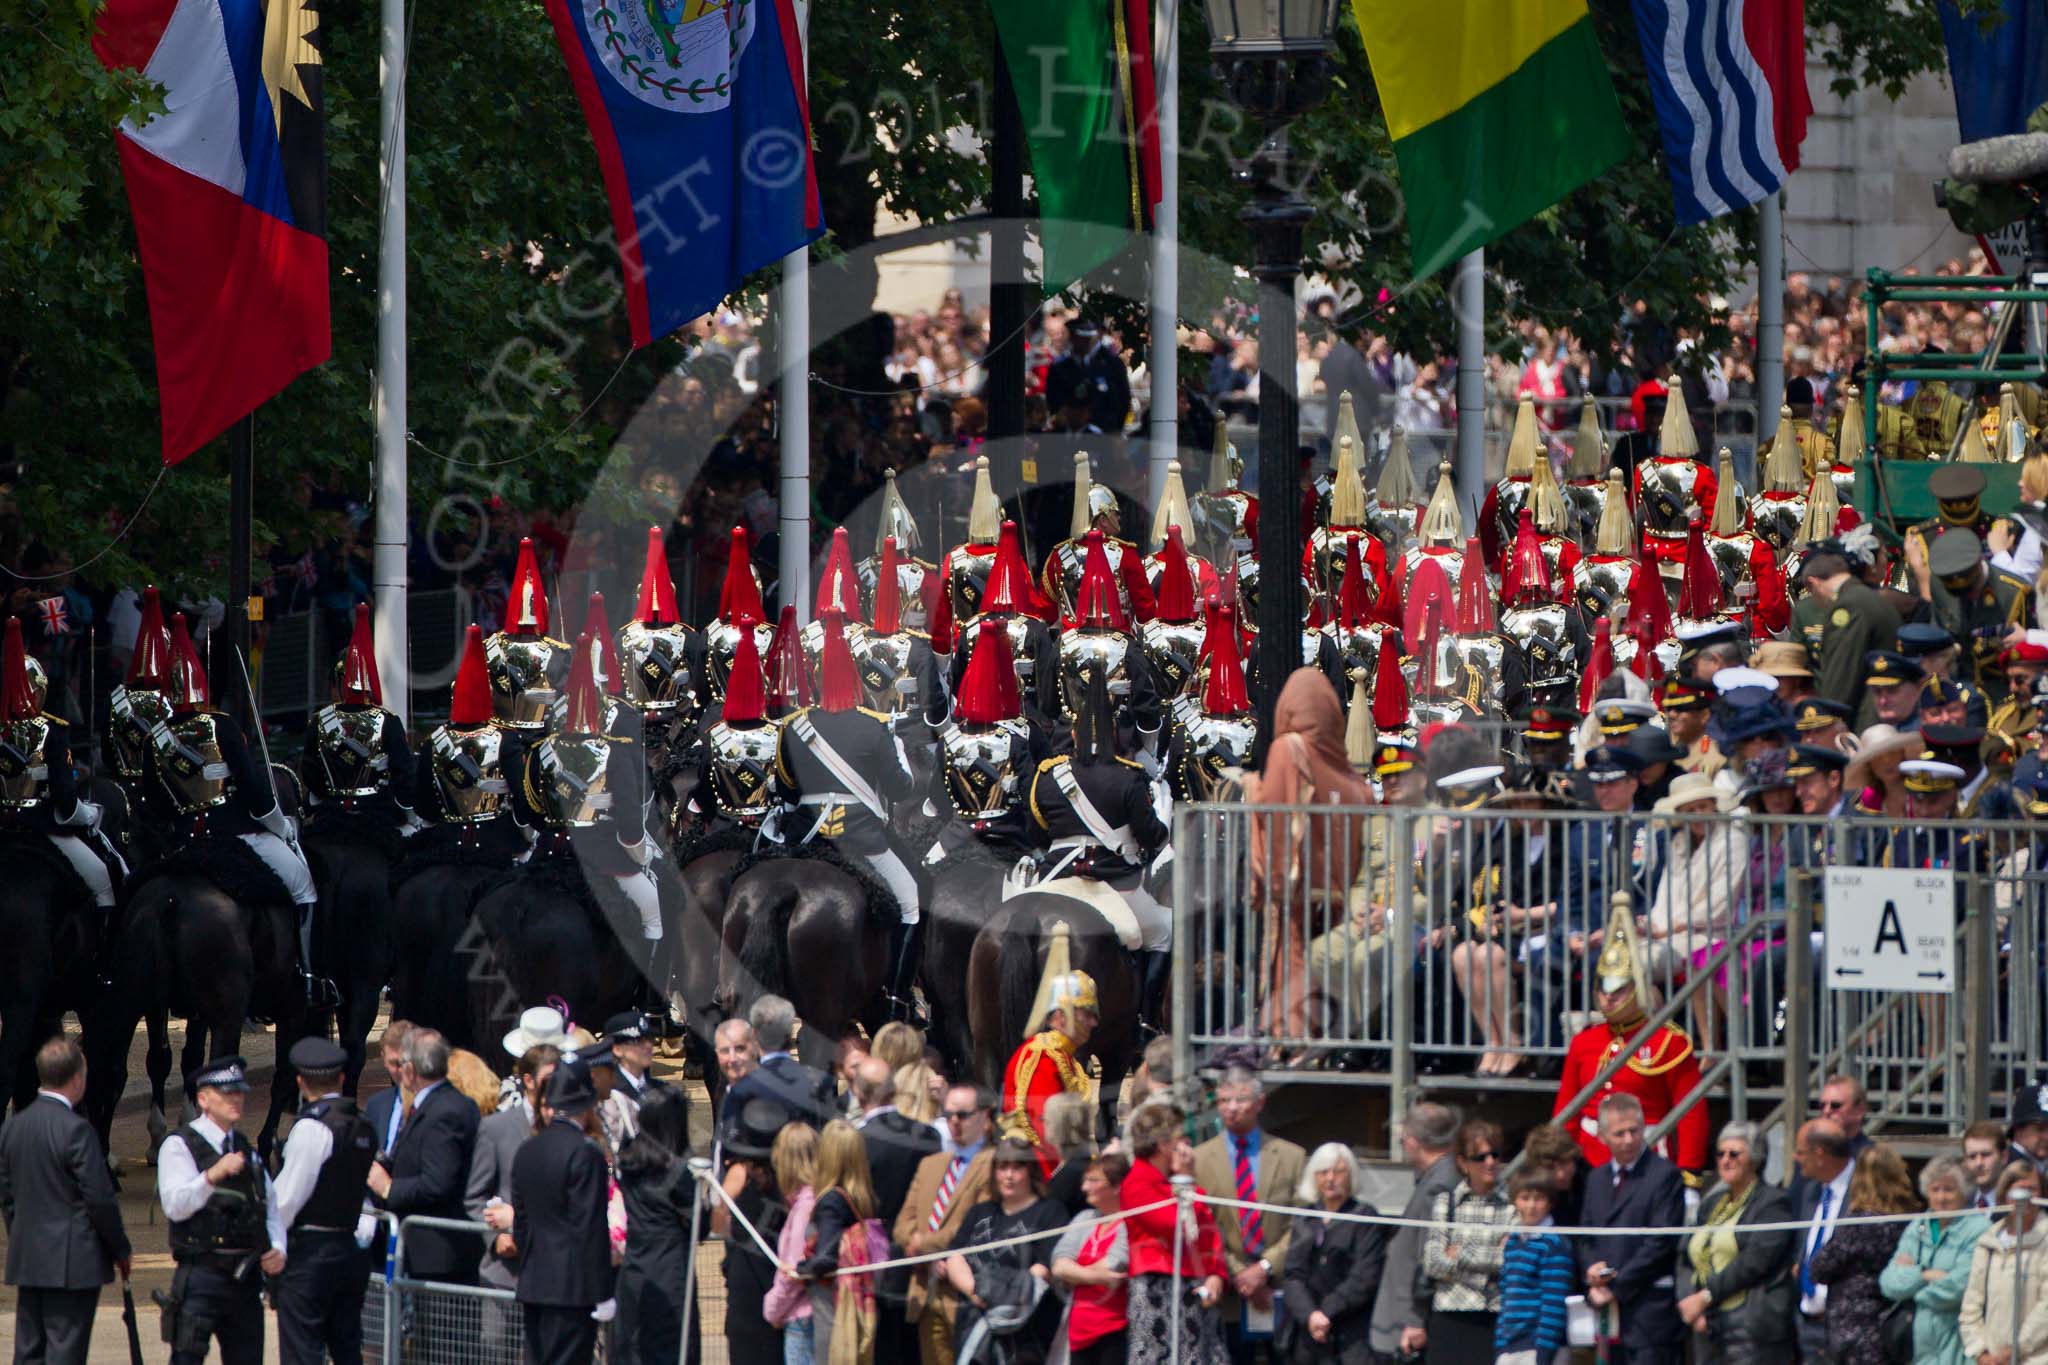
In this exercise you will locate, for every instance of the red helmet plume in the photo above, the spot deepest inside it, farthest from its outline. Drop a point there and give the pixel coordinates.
(526, 610)
(1176, 596)
(1096, 605)
(837, 586)
(988, 690)
(838, 676)
(740, 596)
(151, 664)
(789, 675)
(746, 698)
(656, 605)
(470, 704)
(359, 683)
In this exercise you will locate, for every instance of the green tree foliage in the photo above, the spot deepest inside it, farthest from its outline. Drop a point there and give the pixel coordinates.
(519, 367)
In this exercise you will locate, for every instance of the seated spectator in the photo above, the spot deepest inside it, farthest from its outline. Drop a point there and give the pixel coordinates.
(1706, 864)
(1858, 1253)
(1003, 1314)
(1932, 1268)
(1091, 1262)
(1736, 1289)
(1536, 1275)
(2008, 1263)
(1333, 1268)
(1462, 1260)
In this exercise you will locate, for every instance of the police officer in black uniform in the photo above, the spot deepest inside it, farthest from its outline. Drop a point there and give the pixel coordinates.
(319, 1197)
(225, 1231)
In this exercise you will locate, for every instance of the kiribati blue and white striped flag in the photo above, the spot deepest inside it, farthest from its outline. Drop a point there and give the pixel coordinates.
(1729, 81)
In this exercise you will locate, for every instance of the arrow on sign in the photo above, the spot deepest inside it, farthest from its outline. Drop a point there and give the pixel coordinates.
(1934, 976)
(1848, 971)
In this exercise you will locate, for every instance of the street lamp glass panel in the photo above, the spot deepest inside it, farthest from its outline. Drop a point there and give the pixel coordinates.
(1271, 28)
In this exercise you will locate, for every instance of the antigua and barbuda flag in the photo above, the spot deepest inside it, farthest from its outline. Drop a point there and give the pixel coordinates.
(1728, 78)
(229, 191)
(702, 125)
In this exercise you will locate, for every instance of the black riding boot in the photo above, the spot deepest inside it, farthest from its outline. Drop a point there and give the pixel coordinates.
(103, 944)
(319, 989)
(1155, 974)
(904, 942)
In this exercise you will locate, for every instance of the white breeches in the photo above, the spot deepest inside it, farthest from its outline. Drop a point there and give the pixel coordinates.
(288, 863)
(1155, 921)
(896, 876)
(90, 869)
(639, 887)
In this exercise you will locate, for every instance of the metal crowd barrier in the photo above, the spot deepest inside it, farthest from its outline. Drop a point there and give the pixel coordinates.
(409, 1321)
(1406, 943)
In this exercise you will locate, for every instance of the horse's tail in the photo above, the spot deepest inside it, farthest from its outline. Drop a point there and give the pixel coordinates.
(766, 904)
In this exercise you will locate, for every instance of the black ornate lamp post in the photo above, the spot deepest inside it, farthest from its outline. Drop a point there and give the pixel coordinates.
(1273, 56)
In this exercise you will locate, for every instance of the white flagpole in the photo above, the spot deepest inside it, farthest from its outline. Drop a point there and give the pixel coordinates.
(793, 300)
(388, 562)
(1165, 309)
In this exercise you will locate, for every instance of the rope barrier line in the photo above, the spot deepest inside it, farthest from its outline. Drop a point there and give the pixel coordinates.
(932, 1257)
(1373, 1219)
(1431, 1225)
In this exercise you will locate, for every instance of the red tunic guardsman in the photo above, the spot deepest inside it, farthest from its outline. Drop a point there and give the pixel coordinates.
(1095, 509)
(1062, 1019)
(1662, 1070)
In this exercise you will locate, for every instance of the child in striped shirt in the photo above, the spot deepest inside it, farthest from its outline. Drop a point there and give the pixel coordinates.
(1536, 1275)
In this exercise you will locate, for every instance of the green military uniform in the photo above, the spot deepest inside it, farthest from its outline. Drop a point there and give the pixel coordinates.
(1998, 599)
(1959, 489)
(1857, 622)
(1809, 622)
(1816, 448)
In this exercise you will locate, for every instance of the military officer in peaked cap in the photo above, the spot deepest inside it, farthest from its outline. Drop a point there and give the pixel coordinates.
(226, 1234)
(1958, 491)
(1891, 691)
(1975, 602)
(319, 1199)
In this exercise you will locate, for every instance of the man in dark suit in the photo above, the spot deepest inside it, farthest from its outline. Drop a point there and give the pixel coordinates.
(1820, 1194)
(385, 1107)
(1635, 1188)
(427, 1170)
(896, 1146)
(804, 1090)
(64, 1237)
(558, 1224)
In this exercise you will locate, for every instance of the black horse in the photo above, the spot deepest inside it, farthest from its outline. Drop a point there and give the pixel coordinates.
(351, 855)
(547, 929)
(967, 888)
(50, 927)
(435, 944)
(704, 864)
(206, 934)
(813, 928)
(1003, 975)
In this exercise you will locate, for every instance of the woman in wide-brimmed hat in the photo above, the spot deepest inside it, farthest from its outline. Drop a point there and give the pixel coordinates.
(1875, 770)
(1706, 861)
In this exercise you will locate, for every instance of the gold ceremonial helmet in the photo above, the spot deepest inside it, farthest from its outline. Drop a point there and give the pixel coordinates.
(1620, 964)
(1060, 986)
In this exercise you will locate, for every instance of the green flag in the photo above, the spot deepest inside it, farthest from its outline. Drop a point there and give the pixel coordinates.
(1082, 71)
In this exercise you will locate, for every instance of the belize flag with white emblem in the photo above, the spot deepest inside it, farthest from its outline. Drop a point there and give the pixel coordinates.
(702, 127)
(1728, 78)
(229, 191)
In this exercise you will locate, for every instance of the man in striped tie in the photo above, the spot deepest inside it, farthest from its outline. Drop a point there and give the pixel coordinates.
(1257, 1167)
(947, 1184)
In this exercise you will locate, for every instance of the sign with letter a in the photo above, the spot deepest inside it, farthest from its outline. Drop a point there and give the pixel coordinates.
(1891, 929)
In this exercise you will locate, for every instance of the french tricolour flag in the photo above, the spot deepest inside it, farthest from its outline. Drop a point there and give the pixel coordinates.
(228, 189)
(1729, 81)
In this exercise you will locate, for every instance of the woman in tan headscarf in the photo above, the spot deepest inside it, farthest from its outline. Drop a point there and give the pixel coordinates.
(1303, 863)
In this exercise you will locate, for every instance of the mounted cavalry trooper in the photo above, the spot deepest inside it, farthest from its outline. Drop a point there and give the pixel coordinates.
(39, 787)
(581, 789)
(136, 706)
(661, 660)
(1098, 815)
(840, 767)
(1212, 740)
(526, 664)
(735, 759)
(894, 654)
(1096, 513)
(988, 750)
(358, 759)
(462, 782)
(1009, 602)
(1098, 637)
(216, 787)
(740, 612)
